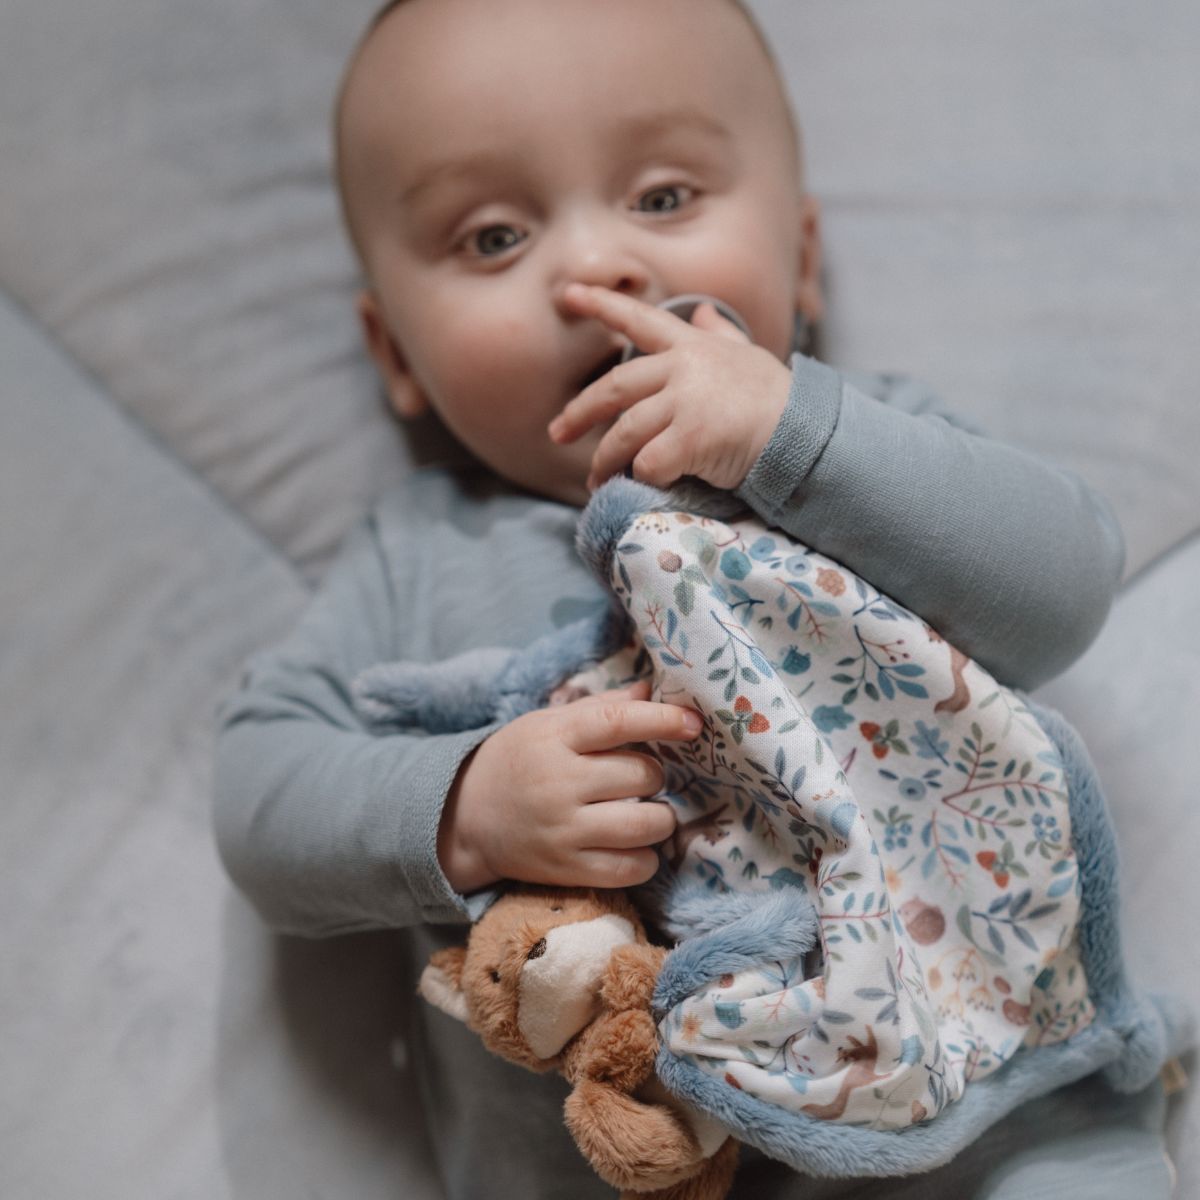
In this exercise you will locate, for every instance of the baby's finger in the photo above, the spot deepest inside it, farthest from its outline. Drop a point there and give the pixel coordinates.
(609, 724)
(650, 329)
(621, 444)
(614, 868)
(620, 774)
(708, 318)
(660, 461)
(610, 395)
(625, 824)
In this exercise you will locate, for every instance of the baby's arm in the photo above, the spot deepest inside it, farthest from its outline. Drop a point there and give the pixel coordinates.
(328, 828)
(325, 827)
(1012, 559)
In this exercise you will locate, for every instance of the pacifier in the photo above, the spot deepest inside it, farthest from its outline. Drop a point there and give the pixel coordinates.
(683, 307)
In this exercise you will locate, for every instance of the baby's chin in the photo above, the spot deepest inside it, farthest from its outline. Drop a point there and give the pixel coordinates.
(559, 474)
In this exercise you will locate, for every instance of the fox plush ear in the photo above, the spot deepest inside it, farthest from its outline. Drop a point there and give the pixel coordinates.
(441, 982)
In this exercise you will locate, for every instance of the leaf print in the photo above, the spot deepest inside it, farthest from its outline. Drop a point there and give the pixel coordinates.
(806, 609)
(929, 743)
(784, 877)
(735, 564)
(829, 717)
(729, 1013)
(760, 662)
(883, 684)
(700, 543)
(673, 655)
(685, 597)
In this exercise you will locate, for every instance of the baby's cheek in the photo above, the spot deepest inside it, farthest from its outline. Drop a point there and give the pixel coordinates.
(492, 354)
(763, 298)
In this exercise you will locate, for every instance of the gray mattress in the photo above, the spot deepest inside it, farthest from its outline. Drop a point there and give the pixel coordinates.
(187, 425)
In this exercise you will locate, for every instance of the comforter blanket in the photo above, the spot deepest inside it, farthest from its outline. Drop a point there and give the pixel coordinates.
(892, 887)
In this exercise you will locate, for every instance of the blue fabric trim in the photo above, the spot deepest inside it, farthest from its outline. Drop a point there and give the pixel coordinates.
(768, 925)
(608, 514)
(1154, 1028)
(1130, 1037)
(483, 687)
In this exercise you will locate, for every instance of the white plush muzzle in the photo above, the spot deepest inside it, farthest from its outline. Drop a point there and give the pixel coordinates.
(558, 992)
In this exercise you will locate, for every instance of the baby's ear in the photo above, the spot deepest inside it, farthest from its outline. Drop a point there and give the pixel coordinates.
(441, 981)
(810, 299)
(405, 397)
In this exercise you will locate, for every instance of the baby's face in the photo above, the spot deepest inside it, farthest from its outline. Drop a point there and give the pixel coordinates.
(494, 151)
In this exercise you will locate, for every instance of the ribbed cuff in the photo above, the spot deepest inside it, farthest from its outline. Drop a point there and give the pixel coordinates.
(800, 438)
(439, 902)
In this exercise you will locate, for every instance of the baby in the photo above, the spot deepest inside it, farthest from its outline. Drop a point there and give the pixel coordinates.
(524, 181)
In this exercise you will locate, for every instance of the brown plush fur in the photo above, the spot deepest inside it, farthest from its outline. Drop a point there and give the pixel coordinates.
(646, 1149)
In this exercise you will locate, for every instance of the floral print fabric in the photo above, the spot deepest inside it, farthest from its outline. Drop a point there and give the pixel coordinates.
(851, 752)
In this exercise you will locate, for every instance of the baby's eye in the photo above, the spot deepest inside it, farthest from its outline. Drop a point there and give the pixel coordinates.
(494, 239)
(664, 199)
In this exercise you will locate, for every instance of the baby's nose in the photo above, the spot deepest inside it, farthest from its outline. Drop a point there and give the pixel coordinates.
(600, 258)
(624, 277)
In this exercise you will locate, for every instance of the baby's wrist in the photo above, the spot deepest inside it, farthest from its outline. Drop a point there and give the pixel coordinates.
(769, 415)
(464, 865)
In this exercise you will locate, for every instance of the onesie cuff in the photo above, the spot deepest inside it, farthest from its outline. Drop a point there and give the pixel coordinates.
(800, 438)
(439, 903)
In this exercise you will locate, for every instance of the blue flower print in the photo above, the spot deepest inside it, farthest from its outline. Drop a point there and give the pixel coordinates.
(895, 826)
(1047, 836)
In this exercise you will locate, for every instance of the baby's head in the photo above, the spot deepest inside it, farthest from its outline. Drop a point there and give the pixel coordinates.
(490, 152)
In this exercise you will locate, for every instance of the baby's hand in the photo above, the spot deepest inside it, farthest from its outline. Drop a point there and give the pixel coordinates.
(547, 799)
(703, 400)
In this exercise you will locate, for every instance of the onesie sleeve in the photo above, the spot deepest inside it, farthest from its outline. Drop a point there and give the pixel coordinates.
(324, 827)
(1012, 559)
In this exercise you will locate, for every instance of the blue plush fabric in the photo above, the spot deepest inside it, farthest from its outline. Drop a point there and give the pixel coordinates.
(479, 687)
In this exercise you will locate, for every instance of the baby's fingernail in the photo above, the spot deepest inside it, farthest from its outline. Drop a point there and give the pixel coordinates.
(554, 429)
(692, 723)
